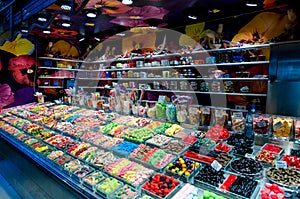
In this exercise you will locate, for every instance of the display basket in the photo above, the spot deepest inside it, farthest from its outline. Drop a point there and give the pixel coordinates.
(93, 179)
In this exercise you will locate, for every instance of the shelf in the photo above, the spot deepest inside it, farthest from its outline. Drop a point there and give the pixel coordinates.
(160, 67)
(61, 59)
(207, 93)
(174, 79)
(41, 77)
(50, 87)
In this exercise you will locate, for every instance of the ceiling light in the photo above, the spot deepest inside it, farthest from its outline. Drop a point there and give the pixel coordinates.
(65, 7)
(24, 31)
(66, 24)
(42, 19)
(127, 2)
(96, 38)
(46, 31)
(91, 14)
(152, 27)
(192, 17)
(251, 3)
(81, 39)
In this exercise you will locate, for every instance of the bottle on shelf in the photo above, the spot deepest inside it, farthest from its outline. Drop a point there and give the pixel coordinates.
(248, 124)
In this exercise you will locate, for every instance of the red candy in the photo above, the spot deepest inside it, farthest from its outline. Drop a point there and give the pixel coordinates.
(272, 191)
(223, 147)
(161, 185)
(217, 133)
(292, 161)
(272, 147)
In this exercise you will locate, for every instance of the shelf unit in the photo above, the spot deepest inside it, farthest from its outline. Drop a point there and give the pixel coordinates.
(91, 75)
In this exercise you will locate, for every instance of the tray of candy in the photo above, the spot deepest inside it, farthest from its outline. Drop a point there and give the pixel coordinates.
(164, 186)
(91, 180)
(267, 158)
(246, 167)
(288, 178)
(158, 140)
(273, 148)
(108, 187)
(185, 174)
(82, 172)
(125, 192)
(175, 147)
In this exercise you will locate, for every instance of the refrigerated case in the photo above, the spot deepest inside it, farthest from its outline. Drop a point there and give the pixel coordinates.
(284, 79)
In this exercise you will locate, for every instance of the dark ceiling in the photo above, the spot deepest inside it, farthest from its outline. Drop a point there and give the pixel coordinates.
(114, 17)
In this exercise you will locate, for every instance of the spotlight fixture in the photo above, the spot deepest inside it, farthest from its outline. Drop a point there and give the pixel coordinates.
(65, 7)
(46, 31)
(91, 14)
(82, 39)
(66, 24)
(251, 3)
(192, 17)
(127, 2)
(96, 38)
(42, 19)
(24, 30)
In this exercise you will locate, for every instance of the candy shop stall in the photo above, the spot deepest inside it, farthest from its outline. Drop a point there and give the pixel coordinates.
(106, 154)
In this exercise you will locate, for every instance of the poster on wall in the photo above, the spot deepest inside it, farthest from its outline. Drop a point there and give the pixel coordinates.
(17, 73)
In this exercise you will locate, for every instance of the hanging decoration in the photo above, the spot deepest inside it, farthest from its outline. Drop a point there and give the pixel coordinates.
(19, 46)
(109, 7)
(137, 16)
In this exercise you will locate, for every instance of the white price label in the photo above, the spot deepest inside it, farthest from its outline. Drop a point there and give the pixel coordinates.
(248, 155)
(162, 99)
(238, 115)
(281, 165)
(216, 165)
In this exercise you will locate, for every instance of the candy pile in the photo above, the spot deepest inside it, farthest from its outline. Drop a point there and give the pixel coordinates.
(175, 147)
(139, 135)
(292, 161)
(266, 156)
(183, 167)
(217, 133)
(94, 178)
(271, 191)
(208, 174)
(131, 172)
(152, 156)
(288, 177)
(109, 185)
(125, 193)
(159, 140)
(222, 147)
(161, 185)
(282, 126)
(261, 124)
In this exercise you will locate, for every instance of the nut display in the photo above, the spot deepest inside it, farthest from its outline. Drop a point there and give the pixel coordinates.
(287, 177)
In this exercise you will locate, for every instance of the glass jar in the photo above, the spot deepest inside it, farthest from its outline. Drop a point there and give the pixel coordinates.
(135, 109)
(173, 85)
(181, 112)
(142, 111)
(215, 86)
(171, 112)
(155, 85)
(165, 85)
(221, 117)
(183, 85)
(205, 116)
(194, 85)
(126, 107)
(130, 74)
(194, 115)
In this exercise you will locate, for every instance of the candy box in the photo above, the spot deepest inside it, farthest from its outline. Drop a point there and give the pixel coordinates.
(273, 148)
(125, 192)
(108, 187)
(93, 179)
(161, 186)
(267, 158)
(261, 124)
(81, 172)
(183, 168)
(282, 127)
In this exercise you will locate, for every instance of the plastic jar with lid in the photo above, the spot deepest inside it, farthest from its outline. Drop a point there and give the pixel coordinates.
(130, 74)
(155, 85)
(194, 115)
(183, 85)
(194, 85)
(151, 110)
(126, 107)
(181, 111)
(171, 112)
(160, 110)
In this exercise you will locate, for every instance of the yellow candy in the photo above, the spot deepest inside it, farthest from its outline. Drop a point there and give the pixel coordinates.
(187, 173)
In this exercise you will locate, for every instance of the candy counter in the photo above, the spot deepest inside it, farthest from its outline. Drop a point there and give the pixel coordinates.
(106, 155)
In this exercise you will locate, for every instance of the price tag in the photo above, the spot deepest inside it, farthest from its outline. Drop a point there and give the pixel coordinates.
(162, 99)
(278, 125)
(281, 165)
(216, 165)
(238, 115)
(248, 155)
